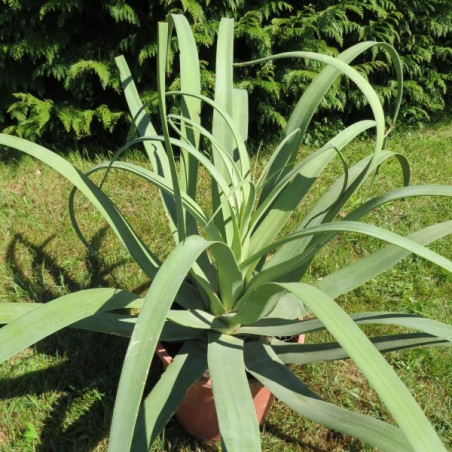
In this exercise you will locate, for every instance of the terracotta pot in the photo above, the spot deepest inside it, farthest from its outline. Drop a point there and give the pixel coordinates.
(197, 412)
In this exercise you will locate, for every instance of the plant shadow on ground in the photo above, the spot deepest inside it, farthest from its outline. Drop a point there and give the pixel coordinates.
(82, 367)
(89, 391)
(81, 372)
(9, 156)
(35, 286)
(333, 440)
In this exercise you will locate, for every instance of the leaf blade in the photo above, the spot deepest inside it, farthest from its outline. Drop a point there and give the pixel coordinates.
(264, 365)
(57, 314)
(157, 408)
(378, 372)
(145, 337)
(233, 401)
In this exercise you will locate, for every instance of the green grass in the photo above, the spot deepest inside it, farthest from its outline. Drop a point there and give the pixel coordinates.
(59, 394)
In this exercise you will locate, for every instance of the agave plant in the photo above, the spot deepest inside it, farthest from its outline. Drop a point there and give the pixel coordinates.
(233, 282)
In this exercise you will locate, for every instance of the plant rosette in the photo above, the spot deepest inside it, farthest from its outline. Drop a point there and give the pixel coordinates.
(234, 278)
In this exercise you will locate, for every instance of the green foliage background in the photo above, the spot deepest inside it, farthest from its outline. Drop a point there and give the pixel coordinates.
(58, 81)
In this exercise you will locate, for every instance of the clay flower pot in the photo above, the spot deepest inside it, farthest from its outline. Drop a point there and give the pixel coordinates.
(197, 412)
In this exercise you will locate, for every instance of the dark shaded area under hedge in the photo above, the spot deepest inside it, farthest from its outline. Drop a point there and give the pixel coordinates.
(59, 83)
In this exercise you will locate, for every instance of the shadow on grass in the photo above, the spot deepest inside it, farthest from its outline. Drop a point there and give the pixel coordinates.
(34, 285)
(333, 441)
(289, 440)
(88, 377)
(83, 383)
(83, 387)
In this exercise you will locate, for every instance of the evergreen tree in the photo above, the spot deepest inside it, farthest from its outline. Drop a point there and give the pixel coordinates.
(59, 81)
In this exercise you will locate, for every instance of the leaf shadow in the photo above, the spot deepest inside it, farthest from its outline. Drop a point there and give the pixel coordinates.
(77, 371)
(86, 366)
(33, 283)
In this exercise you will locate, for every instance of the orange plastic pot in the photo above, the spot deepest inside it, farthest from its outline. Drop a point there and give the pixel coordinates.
(197, 412)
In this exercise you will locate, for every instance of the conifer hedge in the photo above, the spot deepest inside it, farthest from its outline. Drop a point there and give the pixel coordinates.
(58, 77)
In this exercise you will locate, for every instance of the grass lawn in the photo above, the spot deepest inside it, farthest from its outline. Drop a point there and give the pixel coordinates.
(58, 395)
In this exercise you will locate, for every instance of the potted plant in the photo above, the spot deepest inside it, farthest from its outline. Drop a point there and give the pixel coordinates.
(233, 286)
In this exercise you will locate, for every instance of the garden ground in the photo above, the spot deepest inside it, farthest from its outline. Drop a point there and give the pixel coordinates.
(59, 394)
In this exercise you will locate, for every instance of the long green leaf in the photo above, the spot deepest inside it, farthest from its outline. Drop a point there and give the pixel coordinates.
(326, 210)
(105, 322)
(122, 325)
(401, 193)
(290, 353)
(213, 171)
(12, 311)
(222, 217)
(272, 273)
(221, 131)
(145, 336)
(190, 79)
(311, 98)
(187, 367)
(230, 278)
(286, 327)
(192, 318)
(240, 111)
(108, 323)
(155, 151)
(242, 153)
(137, 249)
(233, 401)
(162, 59)
(378, 372)
(425, 325)
(57, 314)
(358, 273)
(264, 365)
(311, 245)
(328, 206)
(278, 205)
(224, 89)
(229, 163)
(178, 333)
(254, 305)
(189, 204)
